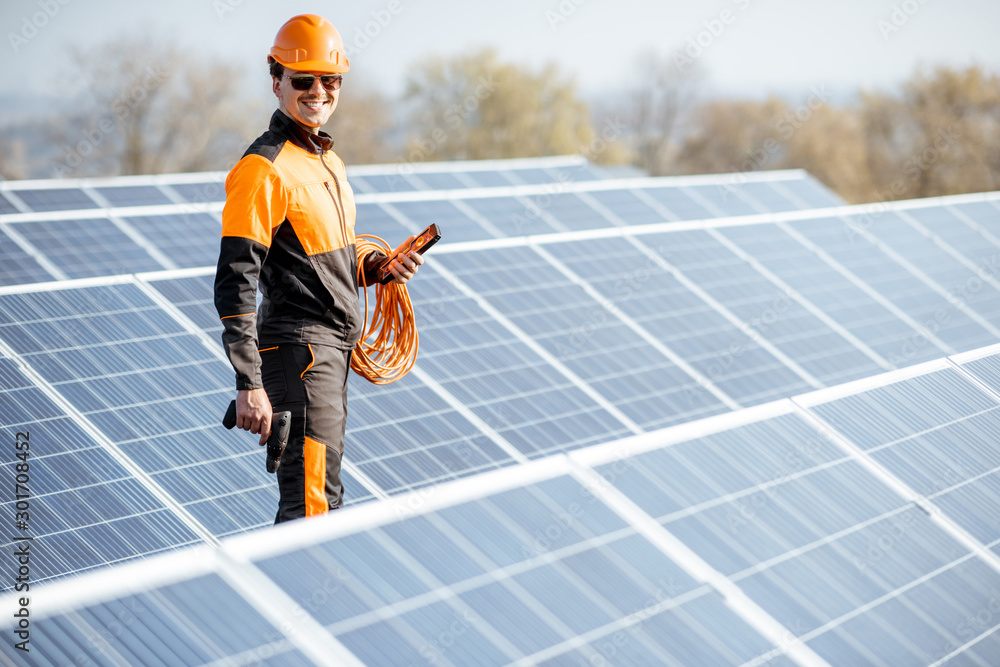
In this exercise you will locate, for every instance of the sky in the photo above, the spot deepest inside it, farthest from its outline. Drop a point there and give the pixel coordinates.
(748, 48)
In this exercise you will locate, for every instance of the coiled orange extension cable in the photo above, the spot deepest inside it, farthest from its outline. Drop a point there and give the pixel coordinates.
(393, 352)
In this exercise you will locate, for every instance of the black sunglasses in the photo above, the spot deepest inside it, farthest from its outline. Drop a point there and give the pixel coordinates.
(306, 81)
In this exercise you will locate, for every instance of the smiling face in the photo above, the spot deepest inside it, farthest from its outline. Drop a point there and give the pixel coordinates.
(309, 108)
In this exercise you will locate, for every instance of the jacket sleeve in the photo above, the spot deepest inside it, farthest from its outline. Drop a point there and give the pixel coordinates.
(255, 205)
(372, 262)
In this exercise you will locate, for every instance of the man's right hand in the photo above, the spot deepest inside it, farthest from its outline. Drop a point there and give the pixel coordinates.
(253, 412)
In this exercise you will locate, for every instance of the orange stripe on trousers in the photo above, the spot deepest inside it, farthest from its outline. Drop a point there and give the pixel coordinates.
(314, 455)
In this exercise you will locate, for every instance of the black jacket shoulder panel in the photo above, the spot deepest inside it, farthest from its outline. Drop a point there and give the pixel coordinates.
(267, 145)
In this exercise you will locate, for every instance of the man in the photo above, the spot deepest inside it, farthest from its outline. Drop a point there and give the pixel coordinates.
(288, 225)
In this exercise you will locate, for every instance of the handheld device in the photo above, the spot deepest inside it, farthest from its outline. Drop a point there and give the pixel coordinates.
(420, 243)
(280, 424)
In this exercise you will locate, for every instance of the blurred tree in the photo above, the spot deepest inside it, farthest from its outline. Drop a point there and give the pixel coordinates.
(663, 96)
(13, 163)
(148, 106)
(475, 107)
(829, 144)
(361, 126)
(733, 136)
(940, 136)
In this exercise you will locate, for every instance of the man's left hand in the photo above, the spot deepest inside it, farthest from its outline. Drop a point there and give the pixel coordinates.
(405, 266)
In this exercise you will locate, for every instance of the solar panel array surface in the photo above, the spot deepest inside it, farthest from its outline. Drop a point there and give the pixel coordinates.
(723, 541)
(530, 346)
(108, 240)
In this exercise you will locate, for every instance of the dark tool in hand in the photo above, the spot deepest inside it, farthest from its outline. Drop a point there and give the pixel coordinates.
(420, 244)
(280, 424)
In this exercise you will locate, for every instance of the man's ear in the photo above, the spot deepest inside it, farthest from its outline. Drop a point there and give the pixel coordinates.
(275, 82)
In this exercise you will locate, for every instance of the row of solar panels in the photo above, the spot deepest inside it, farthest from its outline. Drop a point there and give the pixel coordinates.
(82, 194)
(858, 525)
(75, 244)
(529, 347)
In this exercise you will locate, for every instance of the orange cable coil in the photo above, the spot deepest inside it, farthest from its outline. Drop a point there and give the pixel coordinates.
(393, 351)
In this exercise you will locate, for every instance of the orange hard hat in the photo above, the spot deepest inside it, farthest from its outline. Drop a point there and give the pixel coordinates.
(308, 42)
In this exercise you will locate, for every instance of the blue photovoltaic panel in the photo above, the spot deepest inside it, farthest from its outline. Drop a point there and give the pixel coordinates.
(404, 436)
(943, 449)
(455, 224)
(833, 293)
(578, 172)
(764, 307)
(198, 193)
(543, 572)
(764, 504)
(511, 216)
(812, 193)
(56, 199)
(512, 581)
(188, 239)
(440, 181)
(153, 389)
(6, 206)
(987, 370)
(680, 319)
(84, 509)
(194, 298)
(187, 623)
(947, 271)
(382, 183)
(531, 176)
(506, 384)
(984, 215)
(768, 196)
(951, 228)
(628, 207)
(488, 179)
(374, 220)
(16, 266)
(134, 195)
(85, 248)
(571, 212)
(725, 199)
(590, 340)
(676, 202)
(899, 285)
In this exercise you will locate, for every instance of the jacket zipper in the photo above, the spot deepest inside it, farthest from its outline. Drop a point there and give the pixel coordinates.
(337, 204)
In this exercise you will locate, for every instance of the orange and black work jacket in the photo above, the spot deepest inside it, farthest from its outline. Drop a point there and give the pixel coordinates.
(288, 225)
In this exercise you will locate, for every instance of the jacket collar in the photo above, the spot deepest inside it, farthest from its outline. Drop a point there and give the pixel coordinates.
(288, 129)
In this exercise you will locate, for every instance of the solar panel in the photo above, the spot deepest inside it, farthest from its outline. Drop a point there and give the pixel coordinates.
(505, 380)
(17, 266)
(574, 327)
(145, 238)
(822, 354)
(6, 206)
(197, 193)
(863, 312)
(674, 313)
(832, 528)
(56, 199)
(133, 195)
(153, 389)
(188, 239)
(810, 192)
(88, 247)
(84, 509)
(488, 179)
(927, 303)
(530, 346)
(770, 196)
